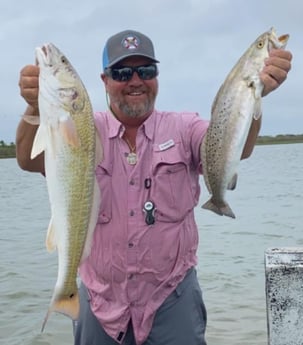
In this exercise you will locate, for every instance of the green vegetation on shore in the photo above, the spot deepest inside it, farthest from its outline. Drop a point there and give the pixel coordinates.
(9, 150)
(280, 139)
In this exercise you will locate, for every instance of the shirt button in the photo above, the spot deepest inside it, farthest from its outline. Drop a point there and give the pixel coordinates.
(130, 245)
(131, 182)
(132, 213)
(130, 276)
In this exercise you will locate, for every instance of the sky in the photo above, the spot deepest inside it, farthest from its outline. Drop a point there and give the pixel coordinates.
(196, 41)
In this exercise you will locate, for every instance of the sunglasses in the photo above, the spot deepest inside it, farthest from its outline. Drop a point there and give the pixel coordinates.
(121, 74)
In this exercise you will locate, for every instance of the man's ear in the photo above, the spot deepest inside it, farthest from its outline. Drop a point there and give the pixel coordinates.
(103, 77)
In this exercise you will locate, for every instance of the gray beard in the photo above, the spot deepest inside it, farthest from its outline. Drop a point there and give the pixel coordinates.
(138, 110)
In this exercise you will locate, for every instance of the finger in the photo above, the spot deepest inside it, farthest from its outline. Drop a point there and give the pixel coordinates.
(30, 70)
(269, 82)
(28, 82)
(29, 93)
(283, 54)
(272, 77)
(277, 73)
(280, 58)
(30, 96)
(279, 63)
(29, 77)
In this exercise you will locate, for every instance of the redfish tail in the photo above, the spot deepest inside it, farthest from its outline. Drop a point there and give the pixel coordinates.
(222, 210)
(69, 306)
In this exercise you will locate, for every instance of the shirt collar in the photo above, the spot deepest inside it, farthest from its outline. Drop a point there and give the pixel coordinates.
(115, 126)
(149, 125)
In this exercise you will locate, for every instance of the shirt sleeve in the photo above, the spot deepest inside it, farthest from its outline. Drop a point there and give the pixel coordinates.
(195, 132)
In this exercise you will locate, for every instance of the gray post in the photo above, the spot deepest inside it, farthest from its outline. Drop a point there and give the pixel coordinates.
(284, 295)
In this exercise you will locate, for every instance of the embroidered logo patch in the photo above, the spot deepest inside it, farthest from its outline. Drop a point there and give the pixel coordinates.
(130, 42)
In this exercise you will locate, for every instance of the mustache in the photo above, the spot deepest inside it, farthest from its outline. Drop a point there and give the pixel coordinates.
(135, 89)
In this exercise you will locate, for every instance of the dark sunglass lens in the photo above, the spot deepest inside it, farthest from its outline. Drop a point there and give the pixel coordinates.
(122, 74)
(147, 72)
(125, 73)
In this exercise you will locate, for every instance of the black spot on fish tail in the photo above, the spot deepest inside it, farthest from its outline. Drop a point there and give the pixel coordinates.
(68, 305)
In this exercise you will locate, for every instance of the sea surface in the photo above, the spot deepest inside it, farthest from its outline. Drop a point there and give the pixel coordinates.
(268, 203)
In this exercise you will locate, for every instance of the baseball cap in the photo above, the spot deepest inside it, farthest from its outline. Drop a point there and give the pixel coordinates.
(127, 43)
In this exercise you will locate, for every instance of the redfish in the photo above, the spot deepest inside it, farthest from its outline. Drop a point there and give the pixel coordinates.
(67, 136)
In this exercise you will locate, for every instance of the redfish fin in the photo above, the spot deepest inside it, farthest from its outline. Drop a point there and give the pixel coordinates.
(51, 242)
(92, 221)
(68, 306)
(39, 142)
(68, 131)
(222, 210)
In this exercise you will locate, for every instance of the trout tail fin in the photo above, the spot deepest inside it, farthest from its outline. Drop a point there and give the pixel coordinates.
(222, 210)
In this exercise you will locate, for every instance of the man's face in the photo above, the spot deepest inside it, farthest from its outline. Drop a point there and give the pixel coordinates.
(134, 98)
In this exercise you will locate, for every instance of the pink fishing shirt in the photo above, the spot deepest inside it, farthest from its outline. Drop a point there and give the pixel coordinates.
(133, 266)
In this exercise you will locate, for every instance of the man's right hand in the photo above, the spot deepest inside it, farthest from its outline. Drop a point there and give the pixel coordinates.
(29, 86)
(26, 131)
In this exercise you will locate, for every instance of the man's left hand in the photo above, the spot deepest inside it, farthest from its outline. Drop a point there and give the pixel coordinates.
(276, 69)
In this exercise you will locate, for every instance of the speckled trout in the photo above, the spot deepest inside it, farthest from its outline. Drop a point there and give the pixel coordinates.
(67, 136)
(236, 104)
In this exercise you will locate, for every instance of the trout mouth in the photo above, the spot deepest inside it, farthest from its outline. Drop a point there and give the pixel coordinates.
(277, 42)
(283, 39)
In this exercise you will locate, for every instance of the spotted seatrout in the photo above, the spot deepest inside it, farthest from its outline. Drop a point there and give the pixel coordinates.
(71, 148)
(236, 104)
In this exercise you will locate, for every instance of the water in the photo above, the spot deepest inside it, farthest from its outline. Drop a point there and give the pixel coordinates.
(268, 207)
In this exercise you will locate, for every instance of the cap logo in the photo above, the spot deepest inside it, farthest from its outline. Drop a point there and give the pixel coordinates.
(130, 42)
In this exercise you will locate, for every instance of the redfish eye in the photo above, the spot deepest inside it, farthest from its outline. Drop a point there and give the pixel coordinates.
(63, 59)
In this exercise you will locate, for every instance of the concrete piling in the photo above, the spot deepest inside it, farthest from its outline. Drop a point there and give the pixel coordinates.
(284, 295)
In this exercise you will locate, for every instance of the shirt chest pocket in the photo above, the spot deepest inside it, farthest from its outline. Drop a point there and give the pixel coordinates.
(171, 189)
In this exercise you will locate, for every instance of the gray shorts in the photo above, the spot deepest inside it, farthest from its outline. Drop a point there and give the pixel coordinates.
(180, 320)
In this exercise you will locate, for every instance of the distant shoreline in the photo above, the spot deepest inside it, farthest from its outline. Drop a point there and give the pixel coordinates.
(280, 139)
(9, 150)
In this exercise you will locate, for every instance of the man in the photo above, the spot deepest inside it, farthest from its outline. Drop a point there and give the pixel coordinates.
(139, 284)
